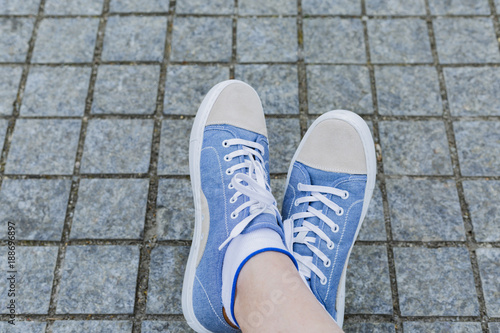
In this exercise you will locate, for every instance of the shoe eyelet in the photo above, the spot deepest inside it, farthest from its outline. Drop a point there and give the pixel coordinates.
(327, 263)
(232, 200)
(233, 215)
(230, 186)
(346, 195)
(330, 246)
(323, 281)
(229, 172)
(335, 229)
(295, 203)
(225, 143)
(340, 212)
(227, 158)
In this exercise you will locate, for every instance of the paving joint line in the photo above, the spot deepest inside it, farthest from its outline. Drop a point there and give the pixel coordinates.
(302, 73)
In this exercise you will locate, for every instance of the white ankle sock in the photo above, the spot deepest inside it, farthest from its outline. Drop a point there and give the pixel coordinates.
(239, 251)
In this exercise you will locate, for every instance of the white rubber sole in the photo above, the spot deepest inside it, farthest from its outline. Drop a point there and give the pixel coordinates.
(362, 128)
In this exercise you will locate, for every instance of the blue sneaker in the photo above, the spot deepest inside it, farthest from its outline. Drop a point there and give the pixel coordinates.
(329, 186)
(229, 168)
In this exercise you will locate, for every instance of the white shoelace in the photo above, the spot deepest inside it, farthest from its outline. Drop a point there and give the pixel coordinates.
(252, 183)
(306, 265)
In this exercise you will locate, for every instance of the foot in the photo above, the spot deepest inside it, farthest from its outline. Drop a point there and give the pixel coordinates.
(229, 168)
(329, 186)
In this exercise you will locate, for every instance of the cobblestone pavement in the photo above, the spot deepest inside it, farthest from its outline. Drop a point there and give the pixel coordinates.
(97, 98)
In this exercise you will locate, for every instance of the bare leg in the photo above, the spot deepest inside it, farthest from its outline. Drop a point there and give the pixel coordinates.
(271, 297)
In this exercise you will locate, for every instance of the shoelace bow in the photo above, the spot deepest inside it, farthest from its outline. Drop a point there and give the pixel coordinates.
(306, 265)
(251, 183)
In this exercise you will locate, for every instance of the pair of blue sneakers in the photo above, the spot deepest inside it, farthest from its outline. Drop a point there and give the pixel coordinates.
(328, 189)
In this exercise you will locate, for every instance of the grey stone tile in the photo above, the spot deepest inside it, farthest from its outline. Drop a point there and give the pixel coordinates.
(56, 91)
(368, 287)
(334, 40)
(4, 123)
(473, 91)
(459, 7)
(373, 228)
(369, 328)
(495, 327)
(73, 7)
(478, 144)
(466, 40)
(14, 7)
(331, 7)
(338, 87)
(174, 146)
(92, 326)
(138, 38)
(186, 86)
(415, 148)
(267, 7)
(277, 86)
(165, 327)
(126, 90)
(144, 6)
(15, 34)
(437, 327)
(284, 138)
(22, 326)
(483, 199)
(37, 206)
(267, 39)
(43, 146)
(98, 279)
(167, 267)
(441, 279)
(35, 269)
(110, 208)
(9, 84)
(395, 7)
(497, 4)
(63, 40)
(399, 41)
(408, 91)
(204, 7)
(202, 39)
(174, 210)
(489, 268)
(278, 190)
(425, 210)
(117, 146)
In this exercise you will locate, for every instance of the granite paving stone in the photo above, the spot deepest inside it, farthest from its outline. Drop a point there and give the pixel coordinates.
(334, 40)
(165, 279)
(202, 39)
(497, 5)
(459, 7)
(174, 146)
(478, 144)
(284, 138)
(204, 7)
(278, 190)
(92, 326)
(9, 84)
(143, 6)
(186, 86)
(165, 327)
(395, 7)
(36, 206)
(338, 87)
(267, 39)
(369, 328)
(174, 210)
(368, 288)
(73, 7)
(4, 123)
(35, 269)
(408, 91)
(98, 279)
(134, 38)
(43, 146)
(126, 90)
(399, 41)
(275, 84)
(438, 327)
(65, 40)
(483, 200)
(425, 210)
(473, 91)
(117, 146)
(56, 91)
(415, 148)
(15, 34)
(494, 327)
(22, 326)
(331, 7)
(373, 228)
(489, 268)
(466, 40)
(267, 7)
(435, 282)
(14, 7)
(110, 209)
